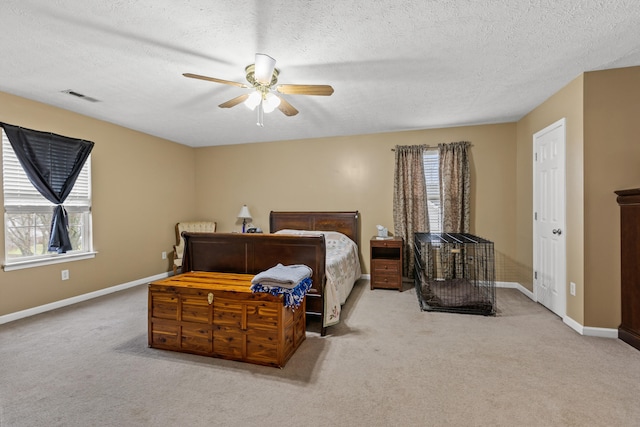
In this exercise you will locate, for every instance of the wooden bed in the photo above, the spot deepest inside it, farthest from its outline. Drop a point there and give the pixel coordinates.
(253, 253)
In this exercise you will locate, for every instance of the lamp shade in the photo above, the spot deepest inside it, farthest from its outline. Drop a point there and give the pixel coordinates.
(271, 103)
(253, 100)
(244, 213)
(264, 68)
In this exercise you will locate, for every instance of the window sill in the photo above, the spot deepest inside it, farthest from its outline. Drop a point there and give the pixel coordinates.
(54, 259)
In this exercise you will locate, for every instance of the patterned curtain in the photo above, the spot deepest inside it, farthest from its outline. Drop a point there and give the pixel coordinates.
(455, 191)
(455, 186)
(409, 199)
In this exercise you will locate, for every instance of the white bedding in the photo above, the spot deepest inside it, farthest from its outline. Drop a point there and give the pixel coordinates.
(342, 270)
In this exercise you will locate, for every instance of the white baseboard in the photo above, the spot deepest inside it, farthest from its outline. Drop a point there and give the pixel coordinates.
(74, 300)
(518, 286)
(600, 332)
(573, 325)
(590, 331)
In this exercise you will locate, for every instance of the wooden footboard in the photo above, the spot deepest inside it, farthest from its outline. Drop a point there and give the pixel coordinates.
(253, 253)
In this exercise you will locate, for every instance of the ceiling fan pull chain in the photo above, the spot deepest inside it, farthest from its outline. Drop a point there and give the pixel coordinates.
(260, 114)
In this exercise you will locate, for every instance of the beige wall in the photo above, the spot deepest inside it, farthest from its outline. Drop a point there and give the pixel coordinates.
(612, 162)
(566, 103)
(355, 173)
(142, 186)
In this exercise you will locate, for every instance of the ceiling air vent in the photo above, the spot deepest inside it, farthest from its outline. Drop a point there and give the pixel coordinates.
(79, 95)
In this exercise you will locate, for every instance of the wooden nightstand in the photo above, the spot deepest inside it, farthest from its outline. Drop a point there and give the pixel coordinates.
(386, 263)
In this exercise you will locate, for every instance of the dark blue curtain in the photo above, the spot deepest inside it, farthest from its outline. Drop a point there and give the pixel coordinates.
(52, 163)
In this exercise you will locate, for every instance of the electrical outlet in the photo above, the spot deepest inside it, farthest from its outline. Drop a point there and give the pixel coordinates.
(65, 274)
(572, 289)
(164, 255)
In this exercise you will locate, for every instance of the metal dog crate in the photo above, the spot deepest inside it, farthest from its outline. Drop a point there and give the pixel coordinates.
(455, 272)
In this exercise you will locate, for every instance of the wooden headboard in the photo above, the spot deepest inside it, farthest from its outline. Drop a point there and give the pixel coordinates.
(344, 222)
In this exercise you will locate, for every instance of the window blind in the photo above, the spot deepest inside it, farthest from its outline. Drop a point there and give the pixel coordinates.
(432, 180)
(18, 190)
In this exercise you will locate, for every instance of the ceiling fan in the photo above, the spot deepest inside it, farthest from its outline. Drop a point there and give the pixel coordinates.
(262, 77)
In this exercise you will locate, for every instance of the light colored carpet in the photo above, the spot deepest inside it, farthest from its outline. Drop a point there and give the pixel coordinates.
(386, 364)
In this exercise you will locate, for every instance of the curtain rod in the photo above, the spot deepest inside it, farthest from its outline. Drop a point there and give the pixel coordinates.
(425, 146)
(431, 147)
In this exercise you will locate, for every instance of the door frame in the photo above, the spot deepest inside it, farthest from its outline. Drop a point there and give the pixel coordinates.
(536, 262)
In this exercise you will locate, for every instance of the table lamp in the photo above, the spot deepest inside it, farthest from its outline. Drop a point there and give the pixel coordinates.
(244, 215)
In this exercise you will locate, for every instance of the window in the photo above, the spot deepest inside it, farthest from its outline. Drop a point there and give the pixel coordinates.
(432, 179)
(27, 215)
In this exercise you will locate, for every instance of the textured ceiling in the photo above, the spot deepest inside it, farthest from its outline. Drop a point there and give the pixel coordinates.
(394, 65)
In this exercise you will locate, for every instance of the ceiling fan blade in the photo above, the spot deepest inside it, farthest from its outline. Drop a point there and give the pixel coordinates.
(213, 79)
(322, 90)
(235, 101)
(286, 108)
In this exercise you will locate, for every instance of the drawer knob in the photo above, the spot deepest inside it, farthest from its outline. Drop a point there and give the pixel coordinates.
(210, 298)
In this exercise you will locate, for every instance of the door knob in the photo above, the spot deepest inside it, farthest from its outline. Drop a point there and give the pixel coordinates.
(557, 231)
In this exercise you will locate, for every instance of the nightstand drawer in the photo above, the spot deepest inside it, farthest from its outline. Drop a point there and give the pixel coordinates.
(380, 266)
(384, 281)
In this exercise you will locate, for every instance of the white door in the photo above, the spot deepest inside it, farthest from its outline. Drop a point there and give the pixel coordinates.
(549, 238)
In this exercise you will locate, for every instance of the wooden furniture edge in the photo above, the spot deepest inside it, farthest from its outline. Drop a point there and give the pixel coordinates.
(253, 253)
(230, 288)
(345, 222)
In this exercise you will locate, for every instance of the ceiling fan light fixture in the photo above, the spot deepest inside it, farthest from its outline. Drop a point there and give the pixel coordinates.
(263, 77)
(264, 67)
(271, 102)
(253, 100)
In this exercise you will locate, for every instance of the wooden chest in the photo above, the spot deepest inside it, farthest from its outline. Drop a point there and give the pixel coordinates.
(216, 314)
